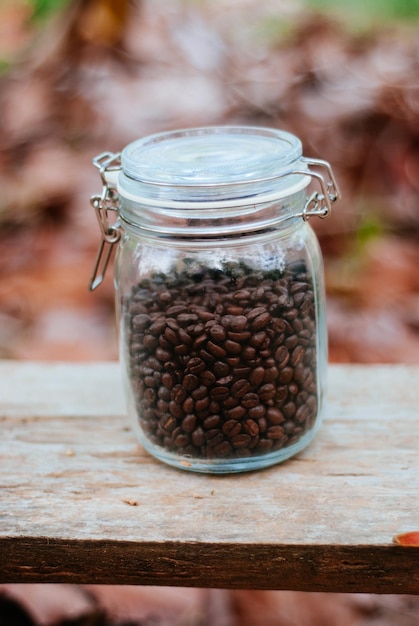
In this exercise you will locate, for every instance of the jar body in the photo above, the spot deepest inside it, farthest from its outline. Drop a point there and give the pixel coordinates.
(223, 344)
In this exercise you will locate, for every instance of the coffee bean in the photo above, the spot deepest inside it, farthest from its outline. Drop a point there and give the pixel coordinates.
(274, 415)
(231, 428)
(240, 388)
(141, 322)
(232, 347)
(218, 351)
(302, 413)
(223, 363)
(220, 369)
(190, 382)
(250, 400)
(261, 321)
(171, 336)
(291, 342)
(267, 392)
(236, 413)
(195, 365)
(275, 432)
(240, 441)
(240, 337)
(257, 339)
(220, 393)
(257, 376)
(282, 356)
(176, 409)
(198, 437)
(218, 333)
(207, 378)
(251, 427)
(212, 421)
(188, 405)
(297, 355)
(237, 323)
(257, 411)
(216, 440)
(199, 392)
(223, 449)
(285, 375)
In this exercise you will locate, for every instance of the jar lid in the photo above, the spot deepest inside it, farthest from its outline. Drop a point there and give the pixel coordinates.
(221, 163)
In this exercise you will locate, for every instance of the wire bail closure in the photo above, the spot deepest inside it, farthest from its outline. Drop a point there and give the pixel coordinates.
(106, 205)
(103, 204)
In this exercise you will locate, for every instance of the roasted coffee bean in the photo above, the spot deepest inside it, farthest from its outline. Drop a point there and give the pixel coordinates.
(238, 323)
(282, 356)
(251, 427)
(207, 378)
(297, 355)
(216, 440)
(188, 405)
(221, 369)
(195, 365)
(275, 432)
(285, 375)
(257, 339)
(240, 441)
(212, 421)
(199, 392)
(257, 376)
(274, 415)
(240, 388)
(198, 437)
(218, 333)
(250, 400)
(190, 382)
(231, 428)
(257, 411)
(236, 413)
(220, 393)
(302, 413)
(141, 322)
(232, 347)
(261, 321)
(223, 449)
(239, 337)
(223, 362)
(216, 350)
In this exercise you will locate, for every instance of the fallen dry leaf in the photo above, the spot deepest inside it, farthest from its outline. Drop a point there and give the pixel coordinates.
(130, 501)
(410, 539)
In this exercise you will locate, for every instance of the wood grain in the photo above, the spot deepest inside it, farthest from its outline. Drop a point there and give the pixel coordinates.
(82, 502)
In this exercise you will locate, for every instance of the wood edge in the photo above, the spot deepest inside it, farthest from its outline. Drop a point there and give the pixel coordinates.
(344, 569)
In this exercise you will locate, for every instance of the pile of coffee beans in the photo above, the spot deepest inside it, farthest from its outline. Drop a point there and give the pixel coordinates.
(222, 362)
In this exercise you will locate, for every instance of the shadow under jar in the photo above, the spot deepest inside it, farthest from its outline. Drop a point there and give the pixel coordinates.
(219, 293)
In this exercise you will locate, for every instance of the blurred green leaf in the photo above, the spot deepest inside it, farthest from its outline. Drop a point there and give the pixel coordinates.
(371, 12)
(43, 9)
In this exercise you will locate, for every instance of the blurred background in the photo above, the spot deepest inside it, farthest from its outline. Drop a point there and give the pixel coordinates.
(81, 76)
(78, 77)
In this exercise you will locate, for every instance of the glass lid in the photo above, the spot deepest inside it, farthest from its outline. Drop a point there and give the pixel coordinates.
(212, 164)
(210, 156)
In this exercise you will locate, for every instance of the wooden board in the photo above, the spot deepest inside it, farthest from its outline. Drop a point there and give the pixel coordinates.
(81, 502)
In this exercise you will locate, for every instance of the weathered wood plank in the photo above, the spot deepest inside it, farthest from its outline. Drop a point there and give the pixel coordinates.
(81, 501)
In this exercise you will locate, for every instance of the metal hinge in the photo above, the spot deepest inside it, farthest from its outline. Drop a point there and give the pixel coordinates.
(320, 203)
(106, 207)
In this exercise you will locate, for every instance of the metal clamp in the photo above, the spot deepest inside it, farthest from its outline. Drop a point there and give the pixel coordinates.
(319, 203)
(106, 202)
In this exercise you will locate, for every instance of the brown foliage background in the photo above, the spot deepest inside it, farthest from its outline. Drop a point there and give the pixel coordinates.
(102, 73)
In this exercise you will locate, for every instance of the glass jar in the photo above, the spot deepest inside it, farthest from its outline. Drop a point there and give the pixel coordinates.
(219, 293)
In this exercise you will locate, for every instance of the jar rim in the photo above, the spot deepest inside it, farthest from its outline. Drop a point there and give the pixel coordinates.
(212, 164)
